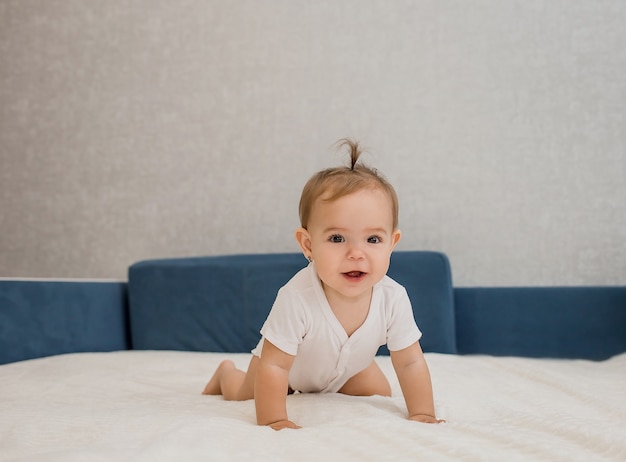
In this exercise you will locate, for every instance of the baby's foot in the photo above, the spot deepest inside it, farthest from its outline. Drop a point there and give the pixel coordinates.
(213, 387)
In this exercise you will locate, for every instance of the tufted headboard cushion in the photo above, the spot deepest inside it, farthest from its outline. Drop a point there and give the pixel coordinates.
(219, 303)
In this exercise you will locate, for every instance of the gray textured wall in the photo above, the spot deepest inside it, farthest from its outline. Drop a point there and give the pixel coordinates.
(153, 128)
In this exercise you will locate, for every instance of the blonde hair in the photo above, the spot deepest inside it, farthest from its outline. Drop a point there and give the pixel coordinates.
(338, 182)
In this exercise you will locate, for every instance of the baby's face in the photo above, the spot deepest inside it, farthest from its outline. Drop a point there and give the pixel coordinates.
(351, 242)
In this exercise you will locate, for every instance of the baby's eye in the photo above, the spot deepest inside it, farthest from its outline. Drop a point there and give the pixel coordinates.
(336, 238)
(374, 240)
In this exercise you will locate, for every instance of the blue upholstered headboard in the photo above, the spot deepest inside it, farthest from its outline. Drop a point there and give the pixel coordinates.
(220, 303)
(45, 317)
(554, 322)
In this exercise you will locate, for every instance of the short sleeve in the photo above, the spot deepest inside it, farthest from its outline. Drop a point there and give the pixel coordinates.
(285, 326)
(402, 331)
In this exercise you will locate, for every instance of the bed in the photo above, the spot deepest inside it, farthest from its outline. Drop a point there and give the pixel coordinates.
(146, 405)
(140, 397)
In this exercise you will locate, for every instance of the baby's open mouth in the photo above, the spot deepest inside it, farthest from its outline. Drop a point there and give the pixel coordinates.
(354, 274)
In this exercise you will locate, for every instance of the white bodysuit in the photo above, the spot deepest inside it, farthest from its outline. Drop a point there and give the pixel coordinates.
(302, 324)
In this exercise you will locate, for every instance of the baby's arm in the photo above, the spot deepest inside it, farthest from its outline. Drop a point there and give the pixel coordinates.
(414, 377)
(271, 387)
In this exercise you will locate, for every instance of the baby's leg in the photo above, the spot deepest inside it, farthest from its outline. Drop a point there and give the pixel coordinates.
(370, 381)
(232, 383)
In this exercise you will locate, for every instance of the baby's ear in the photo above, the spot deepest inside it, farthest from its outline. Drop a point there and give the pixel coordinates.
(304, 240)
(395, 238)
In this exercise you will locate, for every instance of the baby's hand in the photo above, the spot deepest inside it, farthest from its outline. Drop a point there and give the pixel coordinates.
(284, 424)
(425, 418)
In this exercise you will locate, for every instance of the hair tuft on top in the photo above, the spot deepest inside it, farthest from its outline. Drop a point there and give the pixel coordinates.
(353, 148)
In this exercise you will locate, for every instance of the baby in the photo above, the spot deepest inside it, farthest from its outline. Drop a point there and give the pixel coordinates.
(329, 320)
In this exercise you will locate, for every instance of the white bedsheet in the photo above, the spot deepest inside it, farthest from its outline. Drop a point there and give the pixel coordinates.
(146, 405)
